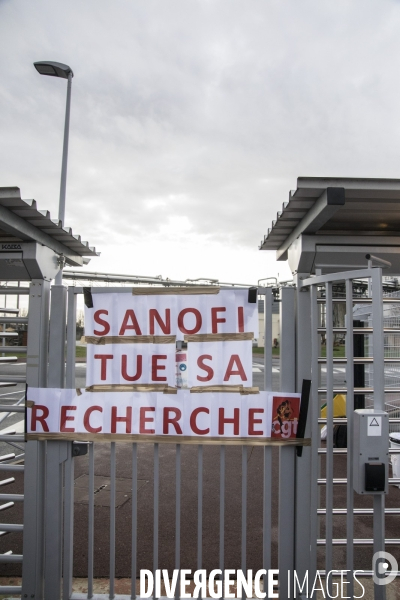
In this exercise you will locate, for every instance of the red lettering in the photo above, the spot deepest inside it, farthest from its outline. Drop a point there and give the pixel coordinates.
(199, 321)
(130, 315)
(165, 326)
(86, 419)
(64, 418)
(214, 318)
(240, 319)
(167, 420)
(102, 322)
(253, 421)
(207, 368)
(127, 419)
(103, 369)
(234, 359)
(193, 423)
(139, 368)
(39, 418)
(143, 419)
(155, 367)
(222, 420)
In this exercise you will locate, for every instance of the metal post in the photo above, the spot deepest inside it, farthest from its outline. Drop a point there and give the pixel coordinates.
(178, 463)
(36, 375)
(56, 452)
(134, 518)
(156, 520)
(71, 338)
(222, 510)
(69, 523)
(315, 431)
(287, 453)
(379, 404)
(200, 507)
(53, 520)
(350, 405)
(267, 475)
(244, 514)
(113, 471)
(303, 463)
(57, 336)
(268, 299)
(329, 436)
(63, 185)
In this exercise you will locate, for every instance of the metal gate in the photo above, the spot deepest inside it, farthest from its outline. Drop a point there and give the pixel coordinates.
(286, 484)
(330, 469)
(307, 517)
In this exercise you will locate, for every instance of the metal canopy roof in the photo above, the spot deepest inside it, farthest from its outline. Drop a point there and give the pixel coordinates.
(21, 221)
(336, 206)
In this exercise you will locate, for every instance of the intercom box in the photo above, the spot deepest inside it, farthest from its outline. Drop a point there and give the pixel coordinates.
(371, 451)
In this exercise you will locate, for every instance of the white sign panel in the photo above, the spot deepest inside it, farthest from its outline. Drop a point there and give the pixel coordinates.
(125, 314)
(72, 415)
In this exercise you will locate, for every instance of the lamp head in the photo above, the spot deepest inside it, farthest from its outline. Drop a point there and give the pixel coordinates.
(54, 69)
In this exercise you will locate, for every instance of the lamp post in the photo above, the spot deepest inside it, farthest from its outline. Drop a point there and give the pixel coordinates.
(55, 69)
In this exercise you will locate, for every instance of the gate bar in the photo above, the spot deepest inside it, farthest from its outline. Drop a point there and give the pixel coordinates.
(359, 542)
(379, 404)
(156, 479)
(134, 519)
(244, 513)
(112, 520)
(315, 432)
(267, 488)
(177, 516)
(222, 509)
(287, 454)
(200, 508)
(68, 522)
(71, 338)
(91, 521)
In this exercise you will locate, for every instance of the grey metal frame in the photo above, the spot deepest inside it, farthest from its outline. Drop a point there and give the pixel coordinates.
(310, 285)
(36, 375)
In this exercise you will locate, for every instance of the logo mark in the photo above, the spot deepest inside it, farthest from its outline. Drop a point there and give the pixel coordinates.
(11, 246)
(384, 568)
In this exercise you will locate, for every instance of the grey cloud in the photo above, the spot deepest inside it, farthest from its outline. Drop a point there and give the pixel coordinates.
(209, 108)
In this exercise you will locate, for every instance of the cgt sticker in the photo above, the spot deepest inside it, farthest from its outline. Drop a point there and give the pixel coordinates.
(285, 416)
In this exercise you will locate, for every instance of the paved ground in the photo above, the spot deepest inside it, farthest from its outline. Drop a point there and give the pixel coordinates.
(189, 508)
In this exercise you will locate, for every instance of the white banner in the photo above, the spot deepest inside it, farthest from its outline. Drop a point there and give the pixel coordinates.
(124, 314)
(64, 413)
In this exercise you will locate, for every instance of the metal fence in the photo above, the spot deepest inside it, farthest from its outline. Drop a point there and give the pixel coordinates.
(12, 437)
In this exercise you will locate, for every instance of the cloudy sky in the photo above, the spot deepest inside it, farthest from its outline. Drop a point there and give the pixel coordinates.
(192, 119)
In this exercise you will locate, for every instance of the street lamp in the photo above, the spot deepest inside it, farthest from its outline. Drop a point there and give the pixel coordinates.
(55, 69)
